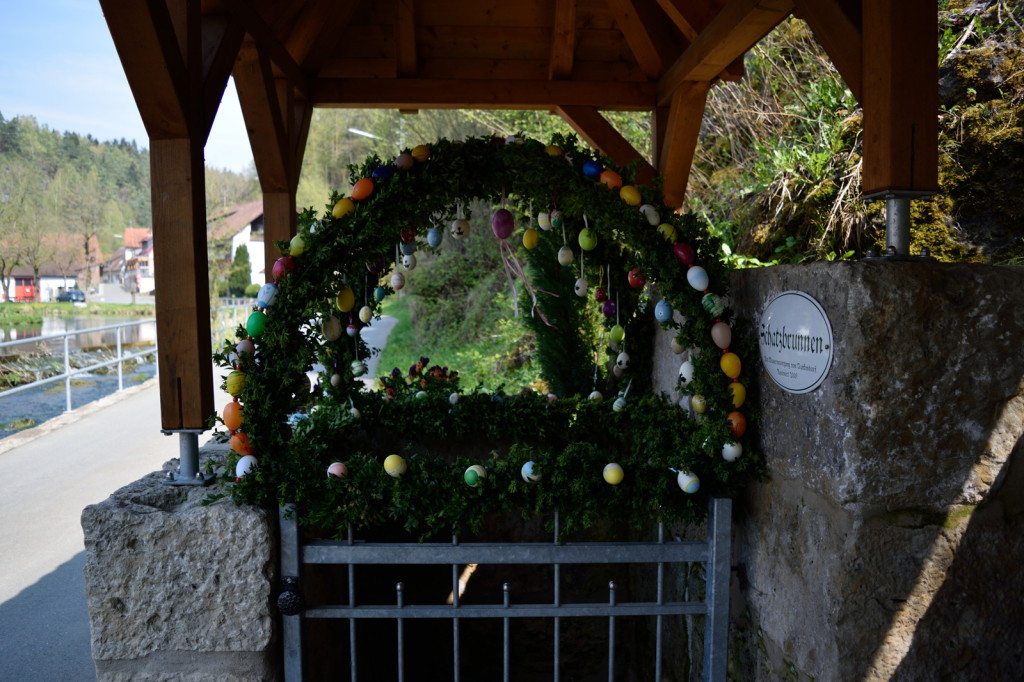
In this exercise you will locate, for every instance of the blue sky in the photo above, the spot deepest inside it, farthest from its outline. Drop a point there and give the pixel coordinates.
(58, 64)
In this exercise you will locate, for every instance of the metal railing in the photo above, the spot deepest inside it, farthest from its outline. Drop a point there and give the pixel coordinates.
(218, 315)
(714, 553)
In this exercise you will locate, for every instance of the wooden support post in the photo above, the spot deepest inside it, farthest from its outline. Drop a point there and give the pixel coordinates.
(681, 132)
(278, 223)
(183, 292)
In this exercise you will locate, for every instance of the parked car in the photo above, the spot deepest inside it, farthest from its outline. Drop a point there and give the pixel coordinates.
(73, 296)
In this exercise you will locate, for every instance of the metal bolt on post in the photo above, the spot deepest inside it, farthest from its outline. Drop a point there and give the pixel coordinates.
(188, 460)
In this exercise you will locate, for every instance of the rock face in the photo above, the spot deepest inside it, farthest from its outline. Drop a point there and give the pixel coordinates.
(885, 544)
(179, 591)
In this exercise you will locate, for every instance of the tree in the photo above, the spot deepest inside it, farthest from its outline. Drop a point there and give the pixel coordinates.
(240, 275)
(18, 184)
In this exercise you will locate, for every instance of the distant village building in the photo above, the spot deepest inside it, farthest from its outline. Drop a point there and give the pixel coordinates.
(62, 267)
(236, 226)
(131, 264)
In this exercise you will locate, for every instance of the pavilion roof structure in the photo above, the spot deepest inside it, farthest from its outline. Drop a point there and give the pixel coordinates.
(574, 58)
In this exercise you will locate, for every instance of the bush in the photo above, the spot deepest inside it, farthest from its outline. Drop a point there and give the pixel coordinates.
(252, 290)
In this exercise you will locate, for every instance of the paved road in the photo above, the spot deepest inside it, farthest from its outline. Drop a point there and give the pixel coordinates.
(112, 292)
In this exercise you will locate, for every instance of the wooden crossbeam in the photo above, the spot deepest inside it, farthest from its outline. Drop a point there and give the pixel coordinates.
(405, 38)
(733, 31)
(318, 50)
(221, 38)
(563, 39)
(257, 94)
(693, 17)
(256, 27)
(838, 34)
(682, 129)
(602, 135)
(645, 32)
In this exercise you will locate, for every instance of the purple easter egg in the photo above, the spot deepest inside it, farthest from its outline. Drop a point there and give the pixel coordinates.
(502, 223)
(608, 308)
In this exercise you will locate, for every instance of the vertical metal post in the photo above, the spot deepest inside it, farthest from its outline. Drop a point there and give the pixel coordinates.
(505, 638)
(120, 364)
(658, 624)
(351, 603)
(558, 602)
(455, 617)
(611, 633)
(67, 375)
(401, 642)
(291, 626)
(897, 224)
(716, 570)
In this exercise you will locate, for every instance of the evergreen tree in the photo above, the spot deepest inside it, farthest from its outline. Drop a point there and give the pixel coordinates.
(240, 275)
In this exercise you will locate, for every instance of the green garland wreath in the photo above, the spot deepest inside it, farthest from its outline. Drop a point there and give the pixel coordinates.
(285, 437)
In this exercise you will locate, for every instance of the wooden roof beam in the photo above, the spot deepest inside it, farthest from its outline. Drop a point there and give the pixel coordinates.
(838, 34)
(733, 31)
(644, 29)
(563, 39)
(405, 38)
(693, 17)
(221, 37)
(256, 27)
(258, 96)
(602, 135)
(681, 130)
(316, 49)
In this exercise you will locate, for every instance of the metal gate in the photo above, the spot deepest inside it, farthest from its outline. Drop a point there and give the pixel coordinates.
(714, 553)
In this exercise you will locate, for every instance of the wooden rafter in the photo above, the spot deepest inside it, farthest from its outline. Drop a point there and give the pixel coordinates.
(563, 39)
(602, 135)
(733, 31)
(645, 33)
(317, 52)
(690, 18)
(682, 129)
(405, 38)
(222, 36)
(838, 34)
(269, 44)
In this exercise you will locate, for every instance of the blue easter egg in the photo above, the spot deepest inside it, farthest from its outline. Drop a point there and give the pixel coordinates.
(407, 248)
(378, 294)
(434, 237)
(663, 311)
(383, 172)
(592, 169)
(267, 294)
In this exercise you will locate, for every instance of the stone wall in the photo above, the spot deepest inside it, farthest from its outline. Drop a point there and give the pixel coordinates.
(886, 543)
(179, 591)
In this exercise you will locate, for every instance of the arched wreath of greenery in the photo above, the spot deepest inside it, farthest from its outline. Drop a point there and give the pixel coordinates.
(295, 434)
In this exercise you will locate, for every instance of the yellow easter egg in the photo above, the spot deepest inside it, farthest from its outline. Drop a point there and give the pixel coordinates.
(630, 194)
(235, 383)
(699, 405)
(613, 473)
(739, 393)
(530, 238)
(421, 152)
(343, 207)
(553, 150)
(297, 245)
(346, 300)
(667, 231)
(730, 364)
(394, 465)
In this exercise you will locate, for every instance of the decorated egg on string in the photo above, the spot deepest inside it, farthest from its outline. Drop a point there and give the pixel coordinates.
(662, 311)
(245, 347)
(580, 287)
(587, 239)
(699, 404)
(365, 314)
(351, 330)
(608, 308)
(737, 423)
(630, 195)
(358, 368)
(404, 161)
(434, 237)
(636, 280)
(592, 169)
(421, 394)
(684, 252)
(245, 465)
(667, 231)
(235, 383)
(421, 152)
(473, 475)
(622, 361)
(240, 444)
(266, 296)
(346, 300)
(613, 473)
(407, 235)
(686, 372)
(600, 295)
(460, 228)
(544, 221)
(713, 304)
(595, 396)
(731, 452)
(529, 472)
(379, 293)
(721, 334)
(376, 265)
(650, 213)
(354, 412)
(738, 392)
(502, 223)
(397, 281)
(530, 238)
(553, 150)
(688, 483)
(337, 379)
(343, 207)
(617, 333)
(611, 179)
(557, 219)
(232, 416)
(731, 365)
(453, 398)
(676, 347)
(394, 465)
(565, 256)
(408, 248)
(332, 328)
(409, 262)
(362, 189)
(382, 173)
(618, 372)
(698, 278)
(619, 405)
(297, 246)
(337, 470)
(256, 323)
(283, 266)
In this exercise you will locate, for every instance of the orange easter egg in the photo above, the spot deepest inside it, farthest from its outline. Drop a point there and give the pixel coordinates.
(233, 416)
(362, 189)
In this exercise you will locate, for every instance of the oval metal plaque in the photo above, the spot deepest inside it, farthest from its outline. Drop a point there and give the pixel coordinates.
(796, 342)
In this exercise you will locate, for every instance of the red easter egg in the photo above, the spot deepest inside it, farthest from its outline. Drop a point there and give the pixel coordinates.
(362, 189)
(283, 266)
(232, 416)
(600, 295)
(240, 444)
(611, 179)
(737, 423)
(684, 252)
(636, 280)
(407, 235)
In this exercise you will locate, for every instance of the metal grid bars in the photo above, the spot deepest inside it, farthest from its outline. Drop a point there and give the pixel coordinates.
(714, 553)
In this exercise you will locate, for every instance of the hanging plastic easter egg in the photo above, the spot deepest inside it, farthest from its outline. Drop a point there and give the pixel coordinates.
(667, 231)
(619, 405)
(351, 330)
(421, 152)
(404, 161)
(592, 169)
(611, 179)
(721, 334)
(343, 207)
(630, 195)
(600, 295)
(530, 238)
(245, 347)
(688, 482)
(587, 239)
(409, 262)
(297, 246)
(617, 333)
(453, 398)
(407, 248)
(618, 372)
(394, 465)
(383, 172)
(565, 256)
(737, 423)
(636, 280)
(266, 296)
(608, 308)
(362, 189)
(434, 237)
(460, 228)
(699, 405)
(650, 213)
(245, 465)
(232, 416)
(713, 304)
(407, 235)
(698, 278)
(397, 281)
(613, 473)
(686, 372)
(622, 361)
(332, 328)
(580, 287)
(502, 223)
(676, 347)
(529, 472)
(283, 266)
(235, 383)
(337, 379)
(256, 323)
(739, 393)
(731, 452)
(379, 293)
(557, 219)
(365, 314)
(240, 444)
(663, 311)
(684, 252)
(553, 150)
(473, 475)
(354, 412)
(596, 396)
(346, 300)
(730, 364)
(358, 368)
(544, 221)
(337, 470)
